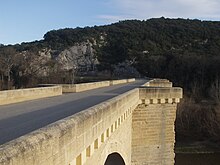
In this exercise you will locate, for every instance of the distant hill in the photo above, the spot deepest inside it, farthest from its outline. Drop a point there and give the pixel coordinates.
(155, 35)
(182, 50)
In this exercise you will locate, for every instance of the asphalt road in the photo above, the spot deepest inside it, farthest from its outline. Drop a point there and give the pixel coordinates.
(21, 118)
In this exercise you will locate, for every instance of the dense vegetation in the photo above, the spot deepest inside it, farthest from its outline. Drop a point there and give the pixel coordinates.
(185, 51)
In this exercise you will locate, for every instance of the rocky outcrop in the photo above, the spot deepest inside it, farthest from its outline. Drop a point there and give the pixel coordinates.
(80, 56)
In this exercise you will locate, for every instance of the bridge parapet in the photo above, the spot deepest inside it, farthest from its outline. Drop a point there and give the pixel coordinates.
(72, 88)
(154, 95)
(159, 83)
(49, 90)
(19, 95)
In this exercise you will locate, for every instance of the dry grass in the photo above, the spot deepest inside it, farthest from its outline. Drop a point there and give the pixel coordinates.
(197, 121)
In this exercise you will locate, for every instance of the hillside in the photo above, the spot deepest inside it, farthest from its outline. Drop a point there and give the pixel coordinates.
(182, 50)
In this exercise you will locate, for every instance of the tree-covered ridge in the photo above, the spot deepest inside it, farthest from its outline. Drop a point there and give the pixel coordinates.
(182, 50)
(63, 38)
(155, 35)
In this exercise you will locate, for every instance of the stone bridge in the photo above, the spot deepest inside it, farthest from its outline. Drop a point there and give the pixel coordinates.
(134, 128)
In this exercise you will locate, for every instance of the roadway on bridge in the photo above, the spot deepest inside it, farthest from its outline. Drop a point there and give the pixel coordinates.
(21, 118)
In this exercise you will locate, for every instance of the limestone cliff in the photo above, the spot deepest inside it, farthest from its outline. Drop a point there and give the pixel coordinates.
(80, 57)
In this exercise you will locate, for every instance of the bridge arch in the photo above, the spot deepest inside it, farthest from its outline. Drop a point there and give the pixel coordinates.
(117, 143)
(114, 159)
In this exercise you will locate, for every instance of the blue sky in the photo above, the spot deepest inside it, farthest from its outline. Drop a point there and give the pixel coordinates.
(29, 20)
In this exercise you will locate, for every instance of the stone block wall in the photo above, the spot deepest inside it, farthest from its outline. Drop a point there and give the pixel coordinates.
(153, 135)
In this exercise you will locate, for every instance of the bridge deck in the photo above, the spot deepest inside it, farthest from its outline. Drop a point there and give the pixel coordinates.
(21, 118)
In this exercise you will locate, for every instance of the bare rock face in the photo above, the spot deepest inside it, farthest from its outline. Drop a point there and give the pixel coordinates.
(80, 56)
(46, 53)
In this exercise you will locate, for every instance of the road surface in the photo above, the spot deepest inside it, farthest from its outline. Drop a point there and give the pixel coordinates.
(21, 118)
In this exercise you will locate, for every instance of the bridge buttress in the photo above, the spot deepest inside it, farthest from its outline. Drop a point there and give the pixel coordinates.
(153, 134)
